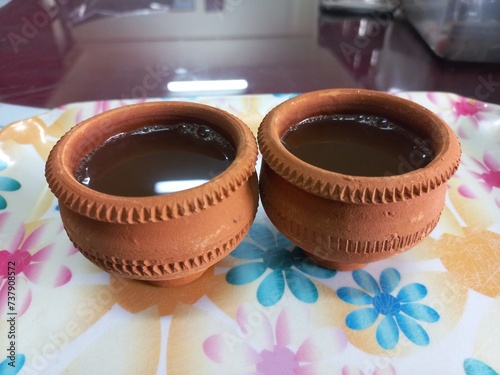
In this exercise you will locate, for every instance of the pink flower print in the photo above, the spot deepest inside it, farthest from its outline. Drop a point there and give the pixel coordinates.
(91, 109)
(292, 346)
(469, 107)
(34, 259)
(460, 106)
(486, 174)
(472, 111)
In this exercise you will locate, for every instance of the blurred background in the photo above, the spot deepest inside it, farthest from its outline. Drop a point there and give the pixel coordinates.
(54, 52)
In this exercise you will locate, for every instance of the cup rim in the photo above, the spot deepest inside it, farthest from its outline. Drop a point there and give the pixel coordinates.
(358, 189)
(90, 133)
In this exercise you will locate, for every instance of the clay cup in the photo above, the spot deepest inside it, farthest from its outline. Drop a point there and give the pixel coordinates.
(341, 221)
(168, 239)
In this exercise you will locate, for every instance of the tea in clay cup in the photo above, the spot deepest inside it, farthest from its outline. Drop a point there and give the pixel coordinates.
(344, 221)
(164, 239)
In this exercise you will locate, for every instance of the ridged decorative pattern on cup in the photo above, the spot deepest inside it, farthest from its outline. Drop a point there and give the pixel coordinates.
(395, 244)
(346, 192)
(107, 208)
(151, 269)
(353, 189)
(131, 215)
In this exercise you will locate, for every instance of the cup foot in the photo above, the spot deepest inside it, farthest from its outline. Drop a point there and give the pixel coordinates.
(337, 266)
(176, 282)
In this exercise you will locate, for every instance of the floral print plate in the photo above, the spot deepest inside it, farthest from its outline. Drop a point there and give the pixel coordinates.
(266, 308)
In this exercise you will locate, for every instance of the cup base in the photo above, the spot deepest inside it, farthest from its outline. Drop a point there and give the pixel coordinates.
(337, 266)
(176, 282)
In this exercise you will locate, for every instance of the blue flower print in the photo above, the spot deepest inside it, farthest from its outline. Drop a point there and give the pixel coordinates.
(476, 367)
(9, 367)
(6, 184)
(287, 265)
(399, 311)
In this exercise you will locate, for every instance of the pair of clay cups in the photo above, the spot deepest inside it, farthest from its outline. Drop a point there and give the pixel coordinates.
(340, 221)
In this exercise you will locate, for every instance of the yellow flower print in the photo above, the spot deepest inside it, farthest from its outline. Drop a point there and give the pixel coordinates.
(473, 259)
(136, 296)
(35, 131)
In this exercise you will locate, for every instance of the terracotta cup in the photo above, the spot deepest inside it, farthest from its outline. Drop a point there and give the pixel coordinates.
(341, 221)
(164, 239)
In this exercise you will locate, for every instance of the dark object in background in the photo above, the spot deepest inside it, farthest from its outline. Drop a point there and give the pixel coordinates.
(458, 30)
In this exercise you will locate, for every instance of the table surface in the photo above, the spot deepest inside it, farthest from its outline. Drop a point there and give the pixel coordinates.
(263, 309)
(58, 52)
(73, 318)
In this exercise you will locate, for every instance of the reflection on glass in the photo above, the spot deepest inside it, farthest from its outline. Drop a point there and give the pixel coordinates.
(165, 187)
(212, 85)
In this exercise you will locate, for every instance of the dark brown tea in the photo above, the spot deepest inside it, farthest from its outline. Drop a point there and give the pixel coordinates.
(357, 145)
(156, 160)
